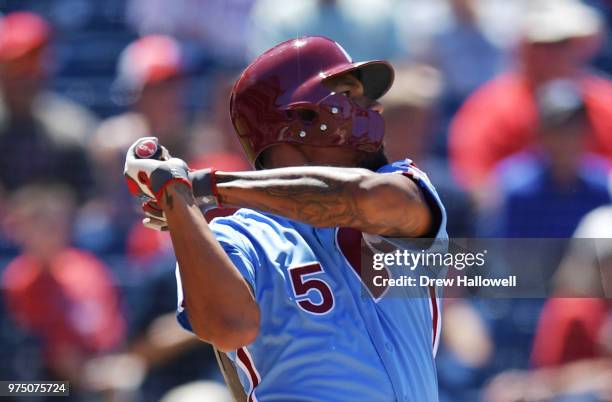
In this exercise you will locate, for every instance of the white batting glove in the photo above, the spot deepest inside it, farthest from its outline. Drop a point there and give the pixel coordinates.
(146, 171)
(155, 217)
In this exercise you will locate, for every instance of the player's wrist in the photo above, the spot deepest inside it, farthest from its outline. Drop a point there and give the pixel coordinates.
(173, 191)
(166, 174)
(172, 184)
(204, 184)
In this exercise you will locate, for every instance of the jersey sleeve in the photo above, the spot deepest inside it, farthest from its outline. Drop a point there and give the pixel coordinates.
(230, 233)
(407, 168)
(437, 240)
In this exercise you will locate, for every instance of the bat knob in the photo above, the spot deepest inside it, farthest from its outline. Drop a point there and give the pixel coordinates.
(149, 148)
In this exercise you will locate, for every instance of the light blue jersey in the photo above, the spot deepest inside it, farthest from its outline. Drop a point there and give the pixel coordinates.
(321, 338)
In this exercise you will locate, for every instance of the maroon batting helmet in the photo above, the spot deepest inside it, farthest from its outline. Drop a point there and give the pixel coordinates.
(280, 97)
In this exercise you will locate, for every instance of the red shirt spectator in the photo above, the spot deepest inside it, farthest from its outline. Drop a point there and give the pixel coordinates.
(568, 331)
(558, 39)
(70, 303)
(501, 118)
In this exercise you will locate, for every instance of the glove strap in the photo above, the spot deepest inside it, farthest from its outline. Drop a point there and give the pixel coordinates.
(204, 184)
(213, 185)
(162, 177)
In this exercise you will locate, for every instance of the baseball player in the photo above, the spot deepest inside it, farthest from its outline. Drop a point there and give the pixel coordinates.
(276, 285)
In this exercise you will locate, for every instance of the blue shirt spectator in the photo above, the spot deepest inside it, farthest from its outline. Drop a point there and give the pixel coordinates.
(535, 205)
(546, 191)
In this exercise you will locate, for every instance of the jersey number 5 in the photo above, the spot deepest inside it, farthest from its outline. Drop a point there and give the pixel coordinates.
(303, 286)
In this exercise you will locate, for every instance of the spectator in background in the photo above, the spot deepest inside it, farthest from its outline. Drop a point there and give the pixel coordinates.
(603, 60)
(558, 39)
(546, 190)
(571, 357)
(409, 113)
(366, 28)
(149, 79)
(578, 311)
(213, 29)
(214, 133)
(465, 352)
(63, 296)
(463, 53)
(200, 391)
(42, 134)
(20, 351)
(421, 20)
(161, 357)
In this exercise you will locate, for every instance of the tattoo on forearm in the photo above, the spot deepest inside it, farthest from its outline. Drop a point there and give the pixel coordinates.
(168, 200)
(322, 204)
(182, 191)
(320, 199)
(186, 194)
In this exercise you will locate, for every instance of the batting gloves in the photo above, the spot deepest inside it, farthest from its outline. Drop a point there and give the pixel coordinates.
(155, 217)
(148, 172)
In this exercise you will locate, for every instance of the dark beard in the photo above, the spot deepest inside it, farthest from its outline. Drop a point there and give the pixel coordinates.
(370, 160)
(374, 160)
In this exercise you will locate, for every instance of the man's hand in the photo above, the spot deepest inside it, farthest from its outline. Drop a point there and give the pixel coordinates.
(155, 217)
(149, 170)
(226, 316)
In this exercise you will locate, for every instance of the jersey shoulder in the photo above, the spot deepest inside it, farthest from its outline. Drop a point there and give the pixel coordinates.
(249, 220)
(253, 230)
(408, 168)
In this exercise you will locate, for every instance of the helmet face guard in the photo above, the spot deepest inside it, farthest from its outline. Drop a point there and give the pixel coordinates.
(281, 98)
(338, 121)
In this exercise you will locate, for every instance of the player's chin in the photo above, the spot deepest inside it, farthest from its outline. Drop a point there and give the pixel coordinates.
(374, 160)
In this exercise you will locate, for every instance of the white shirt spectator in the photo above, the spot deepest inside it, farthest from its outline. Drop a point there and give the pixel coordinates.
(219, 25)
(365, 28)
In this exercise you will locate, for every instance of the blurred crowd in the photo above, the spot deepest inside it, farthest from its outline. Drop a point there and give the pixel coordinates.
(506, 104)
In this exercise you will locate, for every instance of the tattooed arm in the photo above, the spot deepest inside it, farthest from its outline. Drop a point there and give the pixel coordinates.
(221, 308)
(386, 204)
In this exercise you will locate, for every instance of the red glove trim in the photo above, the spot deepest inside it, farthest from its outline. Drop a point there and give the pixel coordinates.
(166, 184)
(133, 187)
(213, 185)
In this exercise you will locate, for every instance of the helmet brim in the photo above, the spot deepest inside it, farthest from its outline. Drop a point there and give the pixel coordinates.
(375, 75)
